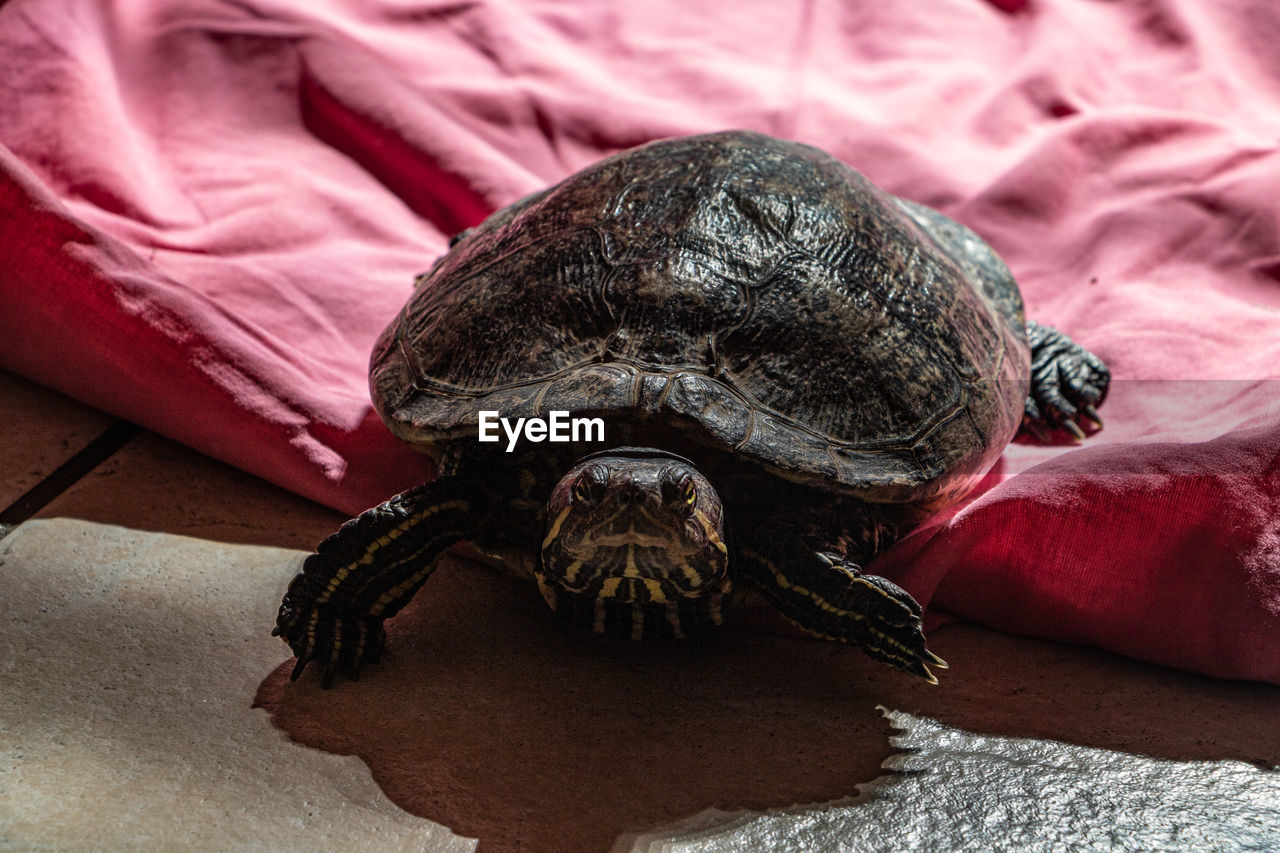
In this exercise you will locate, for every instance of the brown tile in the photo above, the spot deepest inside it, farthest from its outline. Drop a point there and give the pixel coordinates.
(41, 429)
(1027, 687)
(495, 722)
(160, 485)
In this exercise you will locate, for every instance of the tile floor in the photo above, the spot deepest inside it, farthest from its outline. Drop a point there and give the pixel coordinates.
(487, 719)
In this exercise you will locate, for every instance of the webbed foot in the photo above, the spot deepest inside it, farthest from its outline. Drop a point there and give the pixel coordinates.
(829, 596)
(1068, 383)
(879, 616)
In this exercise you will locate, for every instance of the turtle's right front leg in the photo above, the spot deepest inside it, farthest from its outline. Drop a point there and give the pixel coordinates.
(369, 569)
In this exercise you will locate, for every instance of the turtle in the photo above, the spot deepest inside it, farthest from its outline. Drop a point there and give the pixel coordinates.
(780, 370)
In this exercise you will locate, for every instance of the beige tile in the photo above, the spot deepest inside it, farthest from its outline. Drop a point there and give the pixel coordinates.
(130, 663)
(41, 429)
(160, 485)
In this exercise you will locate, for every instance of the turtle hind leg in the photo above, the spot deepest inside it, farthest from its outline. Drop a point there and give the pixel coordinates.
(828, 595)
(1068, 383)
(363, 574)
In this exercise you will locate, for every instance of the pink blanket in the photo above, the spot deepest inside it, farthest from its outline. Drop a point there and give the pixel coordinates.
(208, 211)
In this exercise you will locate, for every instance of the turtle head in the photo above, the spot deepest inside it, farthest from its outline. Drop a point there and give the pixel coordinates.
(635, 546)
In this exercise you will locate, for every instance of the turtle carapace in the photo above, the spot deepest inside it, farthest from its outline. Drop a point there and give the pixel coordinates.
(793, 368)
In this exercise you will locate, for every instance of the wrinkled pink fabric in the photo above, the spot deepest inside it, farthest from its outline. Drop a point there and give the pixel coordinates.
(209, 210)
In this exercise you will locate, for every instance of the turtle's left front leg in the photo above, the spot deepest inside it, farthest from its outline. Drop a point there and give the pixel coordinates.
(827, 594)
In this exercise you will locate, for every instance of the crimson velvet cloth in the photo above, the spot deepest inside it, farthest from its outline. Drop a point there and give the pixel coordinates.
(208, 210)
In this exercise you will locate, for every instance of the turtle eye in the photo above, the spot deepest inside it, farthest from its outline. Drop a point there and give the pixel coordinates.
(588, 486)
(680, 492)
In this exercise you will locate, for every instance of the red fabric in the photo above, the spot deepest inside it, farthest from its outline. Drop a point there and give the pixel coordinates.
(210, 210)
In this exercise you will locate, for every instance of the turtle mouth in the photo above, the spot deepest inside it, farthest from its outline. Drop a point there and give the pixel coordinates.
(634, 608)
(630, 538)
(636, 569)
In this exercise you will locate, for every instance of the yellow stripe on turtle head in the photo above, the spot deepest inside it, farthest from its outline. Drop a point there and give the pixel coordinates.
(710, 529)
(554, 531)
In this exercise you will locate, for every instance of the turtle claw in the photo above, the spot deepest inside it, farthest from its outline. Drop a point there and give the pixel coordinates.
(1067, 384)
(336, 648)
(318, 634)
(887, 623)
(919, 667)
(922, 671)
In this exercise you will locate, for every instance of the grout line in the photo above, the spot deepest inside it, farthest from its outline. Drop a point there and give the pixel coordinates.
(67, 474)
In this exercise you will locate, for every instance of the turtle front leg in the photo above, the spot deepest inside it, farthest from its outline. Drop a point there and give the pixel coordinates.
(368, 570)
(826, 594)
(1068, 383)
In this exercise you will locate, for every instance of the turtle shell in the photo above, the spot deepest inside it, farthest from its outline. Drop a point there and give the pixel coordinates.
(754, 293)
